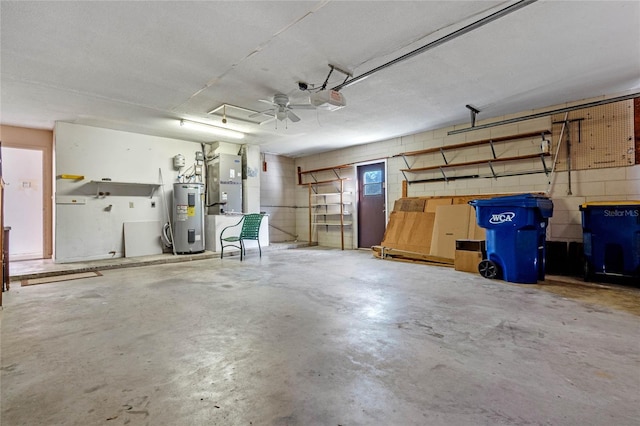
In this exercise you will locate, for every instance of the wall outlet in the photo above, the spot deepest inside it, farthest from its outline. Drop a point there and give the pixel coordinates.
(130, 204)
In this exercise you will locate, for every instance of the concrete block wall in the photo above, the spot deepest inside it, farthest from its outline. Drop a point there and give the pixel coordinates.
(330, 236)
(612, 184)
(278, 196)
(327, 236)
(608, 184)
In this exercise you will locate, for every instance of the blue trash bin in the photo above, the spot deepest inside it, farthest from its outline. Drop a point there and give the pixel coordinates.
(611, 237)
(516, 232)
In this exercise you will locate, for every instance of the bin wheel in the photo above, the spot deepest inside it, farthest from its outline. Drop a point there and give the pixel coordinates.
(488, 269)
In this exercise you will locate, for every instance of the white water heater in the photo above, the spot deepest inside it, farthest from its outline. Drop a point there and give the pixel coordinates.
(188, 217)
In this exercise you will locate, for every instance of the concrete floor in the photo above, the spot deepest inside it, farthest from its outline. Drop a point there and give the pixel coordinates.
(313, 337)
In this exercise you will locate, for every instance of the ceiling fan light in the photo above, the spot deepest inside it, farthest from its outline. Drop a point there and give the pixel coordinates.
(281, 114)
(209, 128)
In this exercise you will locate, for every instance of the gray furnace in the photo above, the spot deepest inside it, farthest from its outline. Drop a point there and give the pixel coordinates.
(224, 182)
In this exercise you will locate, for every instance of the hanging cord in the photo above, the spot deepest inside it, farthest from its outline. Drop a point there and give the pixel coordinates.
(166, 209)
(555, 159)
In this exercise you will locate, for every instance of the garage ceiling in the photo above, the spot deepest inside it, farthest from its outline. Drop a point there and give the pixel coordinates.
(141, 66)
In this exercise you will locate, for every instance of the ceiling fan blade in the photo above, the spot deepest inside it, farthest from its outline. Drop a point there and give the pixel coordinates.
(267, 102)
(292, 116)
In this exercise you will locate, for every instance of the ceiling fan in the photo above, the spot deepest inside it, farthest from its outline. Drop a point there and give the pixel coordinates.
(281, 109)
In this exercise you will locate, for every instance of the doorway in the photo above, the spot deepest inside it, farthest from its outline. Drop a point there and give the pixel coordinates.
(23, 201)
(372, 203)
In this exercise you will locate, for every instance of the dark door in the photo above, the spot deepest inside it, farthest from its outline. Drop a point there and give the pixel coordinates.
(371, 204)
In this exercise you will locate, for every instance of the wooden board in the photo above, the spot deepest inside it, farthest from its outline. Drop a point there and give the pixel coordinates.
(404, 255)
(59, 278)
(413, 204)
(410, 231)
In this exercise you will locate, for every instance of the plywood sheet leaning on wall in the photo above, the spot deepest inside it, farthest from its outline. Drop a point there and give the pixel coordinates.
(409, 204)
(410, 231)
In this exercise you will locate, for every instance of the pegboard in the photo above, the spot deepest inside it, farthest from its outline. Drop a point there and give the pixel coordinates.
(600, 137)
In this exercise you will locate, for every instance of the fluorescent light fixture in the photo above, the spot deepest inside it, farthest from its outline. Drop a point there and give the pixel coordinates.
(210, 128)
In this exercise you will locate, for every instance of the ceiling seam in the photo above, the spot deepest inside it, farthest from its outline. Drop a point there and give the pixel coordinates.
(450, 36)
(259, 48)
(82, 93)
(431, 34)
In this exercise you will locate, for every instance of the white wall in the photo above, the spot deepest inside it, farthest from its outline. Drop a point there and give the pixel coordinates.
(94, 230)
(622, 183)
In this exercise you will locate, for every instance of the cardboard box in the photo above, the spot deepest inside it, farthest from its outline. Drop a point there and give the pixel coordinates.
(415, 225)
(475, 232)
(467, 261)
(451, 224)
(471, 245)
(433, 203)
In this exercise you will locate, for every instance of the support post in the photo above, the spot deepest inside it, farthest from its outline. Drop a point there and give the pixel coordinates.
(473, 111)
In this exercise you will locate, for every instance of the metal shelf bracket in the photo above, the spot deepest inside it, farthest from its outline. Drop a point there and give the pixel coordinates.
(493, 172)
(443, 174)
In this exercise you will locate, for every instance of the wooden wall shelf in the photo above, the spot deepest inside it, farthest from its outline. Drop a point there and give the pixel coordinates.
(473, 163)
(489, 161)
(312, 173)
(489, 141)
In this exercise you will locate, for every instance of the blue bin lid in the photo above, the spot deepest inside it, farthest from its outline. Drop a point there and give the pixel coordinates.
(541, 202)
